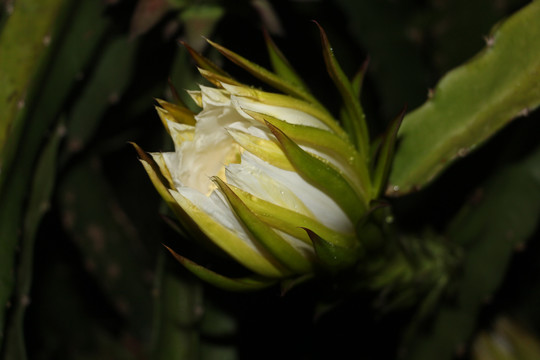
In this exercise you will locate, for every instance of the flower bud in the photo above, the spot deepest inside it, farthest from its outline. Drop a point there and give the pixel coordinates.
(272, 179)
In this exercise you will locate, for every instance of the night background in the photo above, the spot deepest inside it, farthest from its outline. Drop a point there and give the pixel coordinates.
(85, 274)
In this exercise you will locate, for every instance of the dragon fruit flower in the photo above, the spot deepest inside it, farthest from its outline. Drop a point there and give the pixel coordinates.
(272, 179)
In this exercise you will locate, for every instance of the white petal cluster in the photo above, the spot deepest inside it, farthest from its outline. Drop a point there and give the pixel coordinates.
(213, 147)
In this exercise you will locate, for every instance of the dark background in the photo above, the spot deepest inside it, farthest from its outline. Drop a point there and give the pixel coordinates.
(103, 286)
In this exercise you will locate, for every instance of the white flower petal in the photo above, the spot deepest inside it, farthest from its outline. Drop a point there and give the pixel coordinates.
(196, 96)
(342, 167)
(256, 182)
(180, 132)
(292, 116)
(209, 149)
(211, 146)
(162, 162)
(214, 217)
(252, 127)
(218, 208)
(323, 208)
(215, 97)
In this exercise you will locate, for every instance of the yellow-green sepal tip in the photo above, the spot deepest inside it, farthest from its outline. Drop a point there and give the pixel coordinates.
(249, 283)
(292, 222)
(229, 241)
(265, 75)
(332, 257)
(278, 247)
(329, 143)
(355, 121)
(322, 175)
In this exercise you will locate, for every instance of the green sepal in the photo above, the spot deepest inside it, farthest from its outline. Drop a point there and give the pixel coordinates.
(317, 138)
(217, 79)
(386, 155)
(250, 283)
(265, 75)
(209, 70)
(278, 247)
(369, 231)
(288, 284)
(287, 101)
(160, 182)
(328, 143)
(332, 257)
(162, 185)
(374, 148)
(256, 259)
(356, 120)
(291, 222)
(266, 150)
(176, 113)
(281, 65)
(358, 79)
(205, 63)
(322, 176)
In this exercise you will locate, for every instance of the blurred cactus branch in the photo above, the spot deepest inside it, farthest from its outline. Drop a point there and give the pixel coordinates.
(37, 77)
(418, 273)
(490, 229)
(471, 103)
(38, 204)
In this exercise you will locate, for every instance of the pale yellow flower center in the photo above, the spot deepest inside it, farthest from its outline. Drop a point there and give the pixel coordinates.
(233, 157)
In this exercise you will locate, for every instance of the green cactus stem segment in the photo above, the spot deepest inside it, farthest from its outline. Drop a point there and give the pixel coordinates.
(284, 252)
(250, 283)
(471, 103)
(322, 176)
